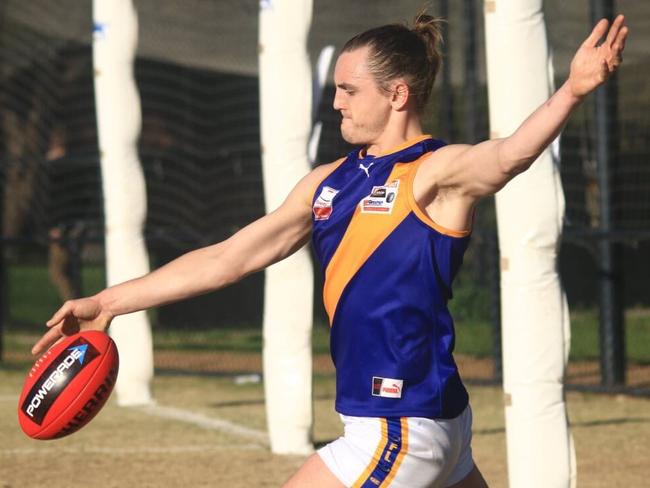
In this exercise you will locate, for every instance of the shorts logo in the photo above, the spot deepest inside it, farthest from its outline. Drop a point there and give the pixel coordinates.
(381, 199)
(323, 205)
(387, 387)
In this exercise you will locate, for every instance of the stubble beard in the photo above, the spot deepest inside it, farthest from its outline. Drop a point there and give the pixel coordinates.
(360, 135)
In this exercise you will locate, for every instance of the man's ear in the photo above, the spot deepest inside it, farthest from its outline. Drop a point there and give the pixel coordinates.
(400, 95)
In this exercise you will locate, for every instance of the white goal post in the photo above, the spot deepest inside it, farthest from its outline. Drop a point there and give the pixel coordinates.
(285, 104)
(530, 213)
(125, 201)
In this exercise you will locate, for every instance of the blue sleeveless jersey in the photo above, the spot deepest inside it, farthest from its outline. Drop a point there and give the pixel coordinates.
(388, 273)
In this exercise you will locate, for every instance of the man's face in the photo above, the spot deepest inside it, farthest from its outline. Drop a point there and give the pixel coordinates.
(364, 107)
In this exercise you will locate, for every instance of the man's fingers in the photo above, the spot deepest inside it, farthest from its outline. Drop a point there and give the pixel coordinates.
(617, 48)
(58, 340)
(60, 314)
(619, 44)
(614, 30)
(599, 31)
(50, 337)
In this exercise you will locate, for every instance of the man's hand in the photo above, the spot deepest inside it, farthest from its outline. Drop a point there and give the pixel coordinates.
(593, 63)
(73, 316)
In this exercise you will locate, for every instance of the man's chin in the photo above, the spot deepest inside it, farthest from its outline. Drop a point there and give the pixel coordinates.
(352, 138)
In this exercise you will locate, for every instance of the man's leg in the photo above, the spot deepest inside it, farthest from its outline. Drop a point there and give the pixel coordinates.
(314, 474)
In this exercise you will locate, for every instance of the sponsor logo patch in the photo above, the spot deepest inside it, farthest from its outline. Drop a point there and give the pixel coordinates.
(381, 199)
(387, 387)
(67, 365)
(323, 205)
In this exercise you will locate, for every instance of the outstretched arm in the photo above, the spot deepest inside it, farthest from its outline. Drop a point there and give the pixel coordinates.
(483, 169)
(262, 243)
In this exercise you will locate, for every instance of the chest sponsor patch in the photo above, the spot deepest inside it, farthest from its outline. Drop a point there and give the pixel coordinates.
(387, 387)
(381, 199)
(323, 205)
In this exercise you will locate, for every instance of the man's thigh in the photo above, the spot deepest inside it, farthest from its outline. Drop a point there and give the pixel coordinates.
(314, 474)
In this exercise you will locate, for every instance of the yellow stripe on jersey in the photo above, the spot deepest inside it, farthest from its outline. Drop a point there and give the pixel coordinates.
(376, 457)
(364, 235)
(400, 456)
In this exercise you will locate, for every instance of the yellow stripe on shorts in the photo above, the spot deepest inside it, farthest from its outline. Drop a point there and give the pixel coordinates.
(383, 441)
(400, 456)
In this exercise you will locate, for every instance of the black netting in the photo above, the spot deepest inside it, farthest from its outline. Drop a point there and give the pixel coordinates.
(196, 71)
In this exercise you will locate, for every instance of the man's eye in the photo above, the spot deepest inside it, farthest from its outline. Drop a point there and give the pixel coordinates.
(350, 92)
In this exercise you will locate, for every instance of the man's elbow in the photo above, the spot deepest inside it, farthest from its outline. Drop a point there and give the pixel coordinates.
(513, 162)
(510, 169)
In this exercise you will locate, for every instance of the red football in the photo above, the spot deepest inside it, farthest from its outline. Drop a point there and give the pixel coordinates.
(68, 385)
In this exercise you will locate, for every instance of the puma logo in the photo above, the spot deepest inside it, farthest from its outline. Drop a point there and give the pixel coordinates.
(366, 169)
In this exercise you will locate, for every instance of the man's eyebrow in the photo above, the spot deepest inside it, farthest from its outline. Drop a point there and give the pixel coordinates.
(346, 86)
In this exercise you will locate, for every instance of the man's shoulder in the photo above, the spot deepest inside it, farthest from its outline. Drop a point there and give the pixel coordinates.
(320, 172)
(437, 163)
(448, 151)
(311, 181)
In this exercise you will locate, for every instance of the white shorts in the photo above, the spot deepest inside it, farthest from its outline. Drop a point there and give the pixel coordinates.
(407, 452)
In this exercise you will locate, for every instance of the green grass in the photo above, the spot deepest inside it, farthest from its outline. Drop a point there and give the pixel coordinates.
(239, 339)
(32, 299)
(474, 337)
(585, 335)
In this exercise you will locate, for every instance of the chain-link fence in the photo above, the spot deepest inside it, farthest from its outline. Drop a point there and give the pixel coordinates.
(197, 75)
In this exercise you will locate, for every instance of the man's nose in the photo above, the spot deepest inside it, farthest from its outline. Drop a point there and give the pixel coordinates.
(338, 100)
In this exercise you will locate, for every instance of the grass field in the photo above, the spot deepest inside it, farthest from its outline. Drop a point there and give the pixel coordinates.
(474, 336)
(208, 431)
(143, 447)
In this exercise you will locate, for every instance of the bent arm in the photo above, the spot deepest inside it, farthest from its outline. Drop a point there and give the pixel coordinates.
(483, 169)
